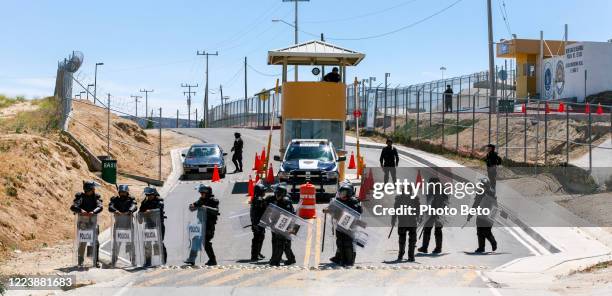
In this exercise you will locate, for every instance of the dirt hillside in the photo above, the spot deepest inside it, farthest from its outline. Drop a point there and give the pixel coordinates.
(134, 149)
(39, 177)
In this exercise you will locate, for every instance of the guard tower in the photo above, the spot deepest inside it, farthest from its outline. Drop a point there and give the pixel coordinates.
(313, 109)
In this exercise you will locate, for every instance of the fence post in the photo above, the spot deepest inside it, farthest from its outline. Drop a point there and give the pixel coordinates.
(108, 127)
(197, 122)
(159, 154)
(457, 121)
(444, 117)
(507, 131)
(545, 134)
(590, 140)
(395, 110)
(418, 112)
(430, 107)
(177, 118)
(473, 120)
(525, 131)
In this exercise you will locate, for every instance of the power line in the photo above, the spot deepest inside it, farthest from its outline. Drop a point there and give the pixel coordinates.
(504, 15)
(361, 15)
(393, 31)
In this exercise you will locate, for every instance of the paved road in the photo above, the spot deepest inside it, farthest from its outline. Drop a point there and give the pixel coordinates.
(378, 271)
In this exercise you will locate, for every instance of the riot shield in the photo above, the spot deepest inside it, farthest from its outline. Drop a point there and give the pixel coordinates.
(241, 222)
(349, 222)
(195, 233)
(149, 239)
(284, 223)
(122, 240)
(86, 240)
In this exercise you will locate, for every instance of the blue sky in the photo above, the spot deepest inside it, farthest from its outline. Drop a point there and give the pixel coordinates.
(153, 44)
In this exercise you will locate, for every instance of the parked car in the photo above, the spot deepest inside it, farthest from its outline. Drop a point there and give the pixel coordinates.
(202, 158)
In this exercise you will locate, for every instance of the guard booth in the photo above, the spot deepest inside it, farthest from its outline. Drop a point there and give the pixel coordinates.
(314, 109)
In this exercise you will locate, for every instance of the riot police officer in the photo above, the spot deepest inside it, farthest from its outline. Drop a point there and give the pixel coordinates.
(258, 207)
(436, 200)
(122, 204)
(280, 244)
(89, 203)
(407, 224)
(153, 201)
(207, 199)
(345, 252)
(484, 223)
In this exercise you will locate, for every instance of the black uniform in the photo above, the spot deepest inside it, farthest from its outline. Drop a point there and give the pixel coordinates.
(122, 205)
(237, 157)
(484, 224)
(448, 100)
(332, 77)
(438, 200)
(154, 204)
(389, 159)
(211, 222)
(492, 160)
(91, 204)
(345, 254)
(280, 244)
(407, 224)
(258, 208)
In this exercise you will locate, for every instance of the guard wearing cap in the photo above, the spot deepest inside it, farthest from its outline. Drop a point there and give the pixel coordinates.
(258, 208)
(280, 244)
(237, 149)
(484, 223)
(122, 204)
(87, 202)
(153, 201)
(345, 252)
(208, 200)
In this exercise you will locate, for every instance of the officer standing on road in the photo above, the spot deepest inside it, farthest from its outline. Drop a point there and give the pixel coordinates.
(208, 200)
(237, 149)
(258, 208)
(389, 160)
(89, 203)
(448, 99)
(153, 201)
(280, 244)
(484, 223)
(333, 76)
(407, 224)
(123, 204)
(436, 200)
(492, 160)
(345, 252)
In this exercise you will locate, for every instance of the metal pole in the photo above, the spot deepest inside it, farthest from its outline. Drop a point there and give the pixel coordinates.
(245, 92)
(473, 120)
(418, 112)
(95, 94)
(197, 122)
(177, 118)
(385, 106)
(159, 154)
(108, 127)
(590, 122)
(525, 132)
(492, 86)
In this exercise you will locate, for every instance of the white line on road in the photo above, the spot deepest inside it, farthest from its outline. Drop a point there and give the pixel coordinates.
(487, 281)
(124, 289)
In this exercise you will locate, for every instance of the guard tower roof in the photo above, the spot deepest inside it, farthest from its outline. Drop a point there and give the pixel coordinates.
(314, 53)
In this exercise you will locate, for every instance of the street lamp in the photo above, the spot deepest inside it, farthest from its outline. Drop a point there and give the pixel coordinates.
(88, 86)
(96, 81)
(442, 69)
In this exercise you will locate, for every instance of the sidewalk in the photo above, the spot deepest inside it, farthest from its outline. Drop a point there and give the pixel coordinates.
(574, 245)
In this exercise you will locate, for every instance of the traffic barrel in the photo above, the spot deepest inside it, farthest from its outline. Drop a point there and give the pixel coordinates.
(215, 175)
(307, 207)
(561, 107)
(523, 108)
(352, 165)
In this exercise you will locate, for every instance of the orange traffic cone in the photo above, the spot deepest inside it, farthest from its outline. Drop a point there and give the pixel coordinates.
(561, 107)
(263, 157)
(419, 179)
(362, 192)
(215, 176)
(547, 108)
(352, 165)
(256, 161)
(256, 178)
(251, 188)
(270, 175)
(599, 109)
(587, 109)
(523, 109)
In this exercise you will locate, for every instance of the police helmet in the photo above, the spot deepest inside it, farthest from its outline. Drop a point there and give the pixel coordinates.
(123, 188)
(150, 191)
(486, 184)
(206, 189)
(346, 188)
(259, 190)
(89, 185)
(280, 189)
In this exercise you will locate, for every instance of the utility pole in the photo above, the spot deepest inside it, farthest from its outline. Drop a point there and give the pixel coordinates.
(189, 93)
(146, 92)
(108, 127)
(322, 67)
(88, 86)
(136, 103)
(205, 113)
(245, 92)
(295, 28)
(492, 84)
(96, 82)
(222, 105)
